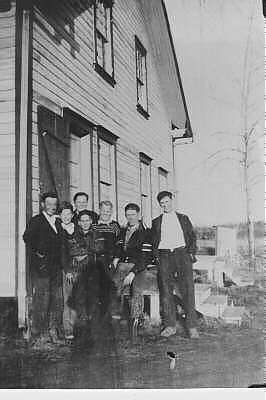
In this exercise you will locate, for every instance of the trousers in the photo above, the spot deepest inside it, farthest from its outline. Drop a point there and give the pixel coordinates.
(175, 270)
(47, 303)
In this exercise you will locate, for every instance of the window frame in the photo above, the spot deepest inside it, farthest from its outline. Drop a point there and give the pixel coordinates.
(109, 78)
(144, 159)
(140, 49)
(108, 137)
(162, 172)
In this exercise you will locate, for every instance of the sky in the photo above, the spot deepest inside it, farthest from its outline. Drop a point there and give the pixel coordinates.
(211, 38)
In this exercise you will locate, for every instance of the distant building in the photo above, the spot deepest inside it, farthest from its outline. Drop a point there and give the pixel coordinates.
(213, 306)
(202, 292)
(236, 315)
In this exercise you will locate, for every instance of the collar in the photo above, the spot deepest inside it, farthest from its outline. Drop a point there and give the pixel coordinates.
(51, 218)
(169, 213)
(104, 223)
(133, 227)
(69, 227)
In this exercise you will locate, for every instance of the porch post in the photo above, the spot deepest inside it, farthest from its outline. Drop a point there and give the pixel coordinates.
(23, 146)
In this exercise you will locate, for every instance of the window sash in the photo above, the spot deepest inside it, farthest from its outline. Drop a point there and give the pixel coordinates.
(107, 171)
(163, 179)
(141, 75)
(103, 38)
(145, 189)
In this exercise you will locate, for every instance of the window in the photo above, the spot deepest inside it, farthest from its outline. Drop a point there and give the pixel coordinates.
(107, 169)
(80, 165)
(141, 78)
(145, 188)
(103, 40)
(163, 179)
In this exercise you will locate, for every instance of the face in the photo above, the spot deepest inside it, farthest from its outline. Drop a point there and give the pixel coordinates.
(85, 222)
(132, 217)
(81, 203)
(50, 205)
(106, 213)
(66, 216)
(166, 204)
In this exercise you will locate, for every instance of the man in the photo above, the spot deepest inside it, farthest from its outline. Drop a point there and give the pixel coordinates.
(174, 244)
(110, 231)
(42, 239)
(83, 273)
(80, 200)
(135, 254)
(67, 230)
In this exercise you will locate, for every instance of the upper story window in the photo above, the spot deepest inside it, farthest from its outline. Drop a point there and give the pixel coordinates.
(141, 78)
(103, 40)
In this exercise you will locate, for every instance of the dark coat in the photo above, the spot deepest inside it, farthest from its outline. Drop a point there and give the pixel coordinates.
(188, 231)
(40, 237)
(79, 244)
(135, 251)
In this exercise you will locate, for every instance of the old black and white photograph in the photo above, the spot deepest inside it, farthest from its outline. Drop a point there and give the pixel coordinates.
(132, 194)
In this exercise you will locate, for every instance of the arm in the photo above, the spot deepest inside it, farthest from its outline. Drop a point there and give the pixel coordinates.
(31, 235)
(192, 245)
(65, 255)
(153, 236)
(144, 255)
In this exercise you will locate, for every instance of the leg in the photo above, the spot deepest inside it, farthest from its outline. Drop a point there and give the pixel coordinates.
(40, 305)
(69, 315)
(186, 287)
(166, 286)
(56, 306)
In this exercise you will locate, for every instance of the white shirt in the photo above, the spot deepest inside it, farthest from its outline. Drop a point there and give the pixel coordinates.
(171, 232)
(51, 219)
(69, 228)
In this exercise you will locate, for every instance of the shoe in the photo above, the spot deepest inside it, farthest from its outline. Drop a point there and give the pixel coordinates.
(54, 337)
(168, 331)
(41, 343)
(69, 337)
(193, 333)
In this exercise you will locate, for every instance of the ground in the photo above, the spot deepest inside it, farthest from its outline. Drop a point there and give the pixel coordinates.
(221, 357)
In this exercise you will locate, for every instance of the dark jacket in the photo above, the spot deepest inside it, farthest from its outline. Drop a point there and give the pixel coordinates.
(79, 244)
(40, 237)
(111, 233)
(75, 217)
(188, 231)
(138, 249)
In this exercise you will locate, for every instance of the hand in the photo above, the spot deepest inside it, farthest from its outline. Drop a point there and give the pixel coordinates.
(39, 254)
(69, 278)
(193, 258)
(129, 279)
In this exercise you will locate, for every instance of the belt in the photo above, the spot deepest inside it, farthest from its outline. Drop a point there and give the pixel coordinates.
(173, 250)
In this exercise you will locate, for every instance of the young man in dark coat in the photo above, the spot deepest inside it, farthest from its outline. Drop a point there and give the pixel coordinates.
(135, 254)
(110, 231)
(174, 245)
(80, 200)
(43, 242)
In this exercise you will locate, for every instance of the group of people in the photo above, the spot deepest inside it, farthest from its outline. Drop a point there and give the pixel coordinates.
(81, 263)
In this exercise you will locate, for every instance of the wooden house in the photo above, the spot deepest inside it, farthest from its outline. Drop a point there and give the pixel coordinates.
(89, 93)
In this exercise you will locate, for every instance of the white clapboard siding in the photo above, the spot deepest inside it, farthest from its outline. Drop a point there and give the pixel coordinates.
(64, 74)
(7, 152)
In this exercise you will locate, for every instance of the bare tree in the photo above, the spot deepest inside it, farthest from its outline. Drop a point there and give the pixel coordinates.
(242, 152)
